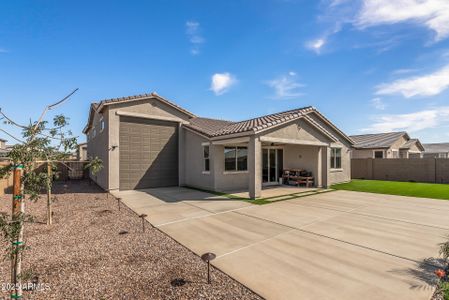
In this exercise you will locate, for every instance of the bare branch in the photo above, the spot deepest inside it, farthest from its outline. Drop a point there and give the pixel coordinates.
(20, 141)
(10, 120)
(50, 107)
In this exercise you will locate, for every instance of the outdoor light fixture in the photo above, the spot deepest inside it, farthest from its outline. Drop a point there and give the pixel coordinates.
(207, 257)
(118, 203)
(143, 216)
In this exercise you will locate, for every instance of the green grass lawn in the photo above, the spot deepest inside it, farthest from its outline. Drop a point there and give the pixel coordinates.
(412, 189)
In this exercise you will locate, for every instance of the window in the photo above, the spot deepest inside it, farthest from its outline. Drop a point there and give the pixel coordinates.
(335, 158)
(379, 154)
(101, 125)
(206, 158)
(236, 158)
(94, 132)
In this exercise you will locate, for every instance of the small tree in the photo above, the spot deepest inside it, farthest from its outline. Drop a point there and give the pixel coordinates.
(37, 144)
(95, 165)
(66, 144)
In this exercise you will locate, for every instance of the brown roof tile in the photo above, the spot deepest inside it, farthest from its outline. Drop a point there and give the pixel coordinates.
(215, 128)
(377, 140)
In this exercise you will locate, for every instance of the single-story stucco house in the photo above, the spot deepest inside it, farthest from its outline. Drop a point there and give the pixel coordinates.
(147, 141)
(81, 152)
(436, 150)
(4, 150)
(386, 145)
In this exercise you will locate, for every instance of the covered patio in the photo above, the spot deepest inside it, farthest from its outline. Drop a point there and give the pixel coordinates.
(269, 158)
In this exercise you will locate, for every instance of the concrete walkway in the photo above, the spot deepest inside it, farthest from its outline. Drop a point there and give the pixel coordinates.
(337, 245)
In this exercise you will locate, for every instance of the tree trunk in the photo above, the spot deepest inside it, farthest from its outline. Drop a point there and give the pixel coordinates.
(49, 179)
(18, 212)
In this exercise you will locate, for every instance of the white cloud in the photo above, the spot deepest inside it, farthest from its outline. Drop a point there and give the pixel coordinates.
(403, 71)
(316, 45)
(221, 82)
(285, 86)
(411, 122)
(426, 85)
(377, 103)
(433, 14)
(193, 31)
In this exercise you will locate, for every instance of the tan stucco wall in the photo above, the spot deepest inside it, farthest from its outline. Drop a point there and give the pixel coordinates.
(363, 153)
(98, 146)
(401, 141)
(227, 181)
(298, 130)
(414, 148)
(109, 177)
(193, 160)
(343, 174)
(302, 157)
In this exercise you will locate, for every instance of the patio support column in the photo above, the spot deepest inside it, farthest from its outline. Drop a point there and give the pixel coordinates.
(319, 175)
(254, 167)
(326, 165)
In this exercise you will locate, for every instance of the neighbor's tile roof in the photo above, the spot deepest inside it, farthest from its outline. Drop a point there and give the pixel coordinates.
(409, 143)
(214, 128)
(378, 140)
(436, 147)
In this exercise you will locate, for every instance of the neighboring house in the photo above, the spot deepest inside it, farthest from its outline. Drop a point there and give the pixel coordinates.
(146, 141)
(386, 145)
(4, 150)
(81, 152)
(436, 150)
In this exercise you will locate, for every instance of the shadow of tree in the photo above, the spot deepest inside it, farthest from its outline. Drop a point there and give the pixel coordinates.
(423, 272)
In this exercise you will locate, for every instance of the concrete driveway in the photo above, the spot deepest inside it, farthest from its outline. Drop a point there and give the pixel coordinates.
(337, 245)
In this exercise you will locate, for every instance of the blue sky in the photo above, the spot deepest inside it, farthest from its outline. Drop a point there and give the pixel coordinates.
(368, 65)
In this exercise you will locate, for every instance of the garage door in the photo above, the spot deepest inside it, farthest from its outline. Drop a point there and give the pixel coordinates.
(148, 153)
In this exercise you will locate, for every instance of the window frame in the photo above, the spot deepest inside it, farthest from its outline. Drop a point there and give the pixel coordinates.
(383, 154)
(334, 158)
(102, 124)
(206, 159)
(236, 159)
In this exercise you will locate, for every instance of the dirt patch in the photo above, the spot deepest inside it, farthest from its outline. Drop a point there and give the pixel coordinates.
(83, 256)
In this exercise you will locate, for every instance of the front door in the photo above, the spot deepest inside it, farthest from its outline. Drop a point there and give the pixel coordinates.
(272, 165)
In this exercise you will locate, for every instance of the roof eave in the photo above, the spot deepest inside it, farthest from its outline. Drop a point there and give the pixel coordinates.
(153, 95)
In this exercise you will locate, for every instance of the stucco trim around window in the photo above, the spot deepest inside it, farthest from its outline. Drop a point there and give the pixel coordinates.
(335, 158)
(237, 160)
(234, 172)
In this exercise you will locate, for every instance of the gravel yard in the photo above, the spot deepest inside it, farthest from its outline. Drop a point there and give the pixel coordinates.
(83, 256)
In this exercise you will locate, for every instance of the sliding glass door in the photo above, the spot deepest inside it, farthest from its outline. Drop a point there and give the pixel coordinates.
(272, 164)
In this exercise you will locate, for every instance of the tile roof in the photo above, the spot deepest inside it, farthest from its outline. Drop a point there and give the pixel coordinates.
(436, 148)
(378, 140)
(214, 128)
(408, 144)
(207, 126)
(141, 97)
